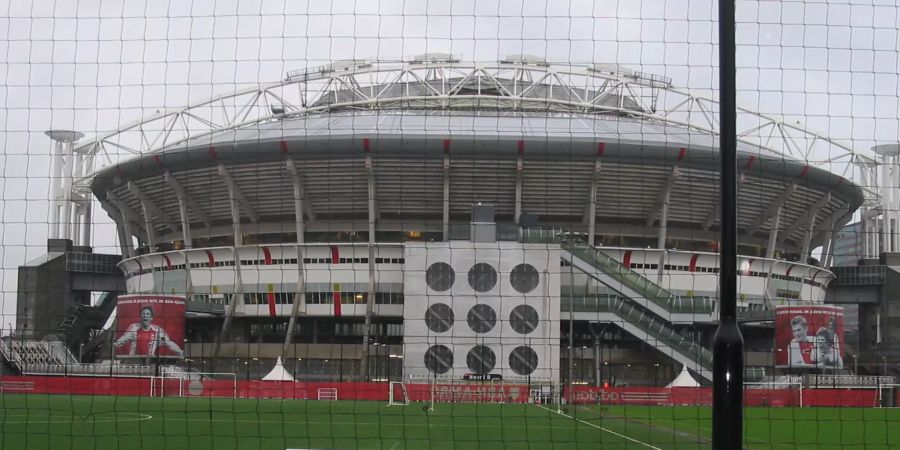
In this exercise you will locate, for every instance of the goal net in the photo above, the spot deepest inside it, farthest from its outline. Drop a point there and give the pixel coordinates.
(330, 394)
(397, 394)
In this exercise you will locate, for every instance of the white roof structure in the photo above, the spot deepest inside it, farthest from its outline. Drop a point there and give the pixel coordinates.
(278, 373)
(684, 379)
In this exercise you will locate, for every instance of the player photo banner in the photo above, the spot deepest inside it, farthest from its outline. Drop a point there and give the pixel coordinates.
(150, 326)
(810, 337)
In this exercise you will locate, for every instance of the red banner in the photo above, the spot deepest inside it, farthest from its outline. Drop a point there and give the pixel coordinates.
(809, 337)
(150, 326)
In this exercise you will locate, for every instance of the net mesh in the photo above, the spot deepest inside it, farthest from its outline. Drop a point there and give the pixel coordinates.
(260, 224)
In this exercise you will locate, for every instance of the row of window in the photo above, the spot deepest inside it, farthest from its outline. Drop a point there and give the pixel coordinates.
(354, 298)
(262, 262)
(702, 269)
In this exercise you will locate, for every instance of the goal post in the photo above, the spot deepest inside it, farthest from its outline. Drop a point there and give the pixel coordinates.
(329, 394)
(397, 394)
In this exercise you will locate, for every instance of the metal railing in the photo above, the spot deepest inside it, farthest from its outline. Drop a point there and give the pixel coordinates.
(646, 321)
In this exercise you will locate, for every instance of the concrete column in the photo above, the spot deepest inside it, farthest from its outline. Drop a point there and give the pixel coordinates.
(773, 234)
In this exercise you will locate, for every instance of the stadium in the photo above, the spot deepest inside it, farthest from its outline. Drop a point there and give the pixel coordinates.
(434, 222)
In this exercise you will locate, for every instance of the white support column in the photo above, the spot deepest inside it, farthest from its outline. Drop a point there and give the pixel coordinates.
(185, 223)
(299, 195)
(592, 204)
(446, 211)
(148, 225)
(126, 245)
(885, 206)
(807, 238)
(773, 209)
(86, 229)
(370, 288)
(55, 186)
(67, 190)
(233, 197)
(895, 199)
(661, 207)
(181, 193)
(518, 206)
(773, 234)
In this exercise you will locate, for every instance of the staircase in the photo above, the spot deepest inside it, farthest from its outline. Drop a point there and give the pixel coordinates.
(77, 327)
(642, 308)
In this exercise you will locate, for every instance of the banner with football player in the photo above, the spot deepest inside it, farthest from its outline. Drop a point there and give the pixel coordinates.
(809, 337)
(149, 326)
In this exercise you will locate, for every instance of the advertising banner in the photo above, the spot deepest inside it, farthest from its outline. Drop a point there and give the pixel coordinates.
(150, 326)
(809, 337)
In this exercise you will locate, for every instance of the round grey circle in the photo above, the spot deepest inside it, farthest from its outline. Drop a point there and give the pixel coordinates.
(440, 276)
(523, 360)
(438, 359)
(481, 318)
(524, 278)
(481, 359)
(523, 319)
(482, 277)
(195, 387)
(439, 317)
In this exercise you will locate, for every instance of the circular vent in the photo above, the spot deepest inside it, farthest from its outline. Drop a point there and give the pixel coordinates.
(439, 317)
(524, 278)
(482, 318)
(481, 359)
(482, 277)
(440, 276)
(523, 319)
(523, 360)
(438, 359)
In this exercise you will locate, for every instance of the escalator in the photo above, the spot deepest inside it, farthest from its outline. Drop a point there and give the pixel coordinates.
(640, 306)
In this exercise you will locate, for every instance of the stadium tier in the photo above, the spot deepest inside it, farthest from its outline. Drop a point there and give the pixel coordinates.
(436, 218)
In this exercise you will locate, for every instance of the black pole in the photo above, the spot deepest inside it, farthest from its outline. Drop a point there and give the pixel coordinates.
(728, 344)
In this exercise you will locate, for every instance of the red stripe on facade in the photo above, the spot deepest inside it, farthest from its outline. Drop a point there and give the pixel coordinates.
(283, 146)
(681, 154)
(267, 255)
(788, 273)
(804, 171)
(270, 298)
(446, 145)
(335, 254)
(168, 262)
(601, 148)
(750, 162)
(693, 266)
(210, 258)
(366, 147)
(520, 146)
(626, 260)
(336, 296)
(212, 153)
(158, 160)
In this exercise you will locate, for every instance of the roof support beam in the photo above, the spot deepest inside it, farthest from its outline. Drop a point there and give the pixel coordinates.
(518, 206)
(662, 199)
(184, 196)
(129, 217)
(591, 212)
(233, 197)
(773, 234)
(772, 210)
(714, 212)
(299, 196)
(446, 211)
(807, 217)
(151, 207)
(370, 175)
(238, 194)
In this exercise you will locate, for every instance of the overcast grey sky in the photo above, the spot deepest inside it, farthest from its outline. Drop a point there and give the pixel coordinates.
(90, 67)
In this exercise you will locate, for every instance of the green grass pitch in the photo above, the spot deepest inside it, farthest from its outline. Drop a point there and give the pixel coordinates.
(134, 423)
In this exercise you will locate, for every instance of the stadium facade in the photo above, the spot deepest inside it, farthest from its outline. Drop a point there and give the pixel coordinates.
(441, 218)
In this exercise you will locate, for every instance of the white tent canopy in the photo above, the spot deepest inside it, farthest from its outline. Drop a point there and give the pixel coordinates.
(684, 379)
(278, 373)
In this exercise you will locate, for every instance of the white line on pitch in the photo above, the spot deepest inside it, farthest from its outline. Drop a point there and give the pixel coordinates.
(601, 428)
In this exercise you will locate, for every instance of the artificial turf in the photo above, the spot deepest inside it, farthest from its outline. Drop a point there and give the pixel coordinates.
(131, 423)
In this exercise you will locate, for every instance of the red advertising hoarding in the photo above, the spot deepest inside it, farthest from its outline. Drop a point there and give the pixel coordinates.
(809, 337)
(149, 326)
